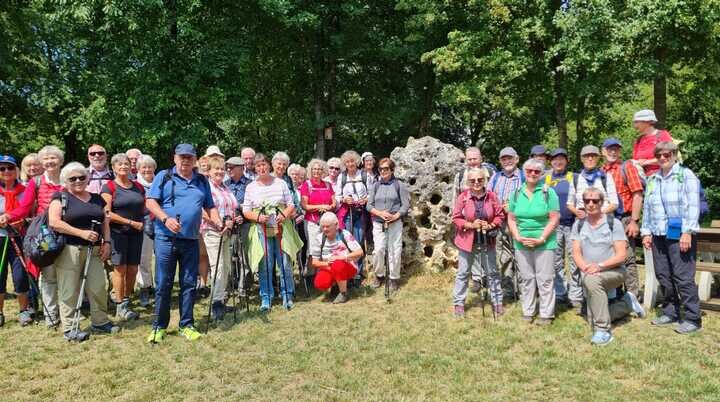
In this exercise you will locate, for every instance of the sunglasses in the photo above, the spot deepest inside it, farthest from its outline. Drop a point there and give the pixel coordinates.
(333, 168)
(477, 181)
(664, 155)
(591, 200)
(97, 153)
(77, 179)
(384, 169)
(533, 171)
(7, 168)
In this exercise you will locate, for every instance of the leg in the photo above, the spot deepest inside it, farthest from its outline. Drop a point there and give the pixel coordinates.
(494, 279)
(119, 283)
(379, 253)
(545, 275)
(575, 287)
(559, 262)
(49, 290)
(204, 264)
(465, 260)
(68, 267)
(189, 260)
(359, 234)
(287, 271)
(144, 276)
(266, 267)
(663, 272)
(130, 275)
(217, 260)
(394, 254)
(683, 276)
(526, 268)
(596, 288)
(632, 282)
(165, 265)
(96, 288)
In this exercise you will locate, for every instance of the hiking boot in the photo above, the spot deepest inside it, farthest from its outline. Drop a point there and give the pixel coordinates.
(265, 305)
(459, 311)
(157, 335)
(144, 297)
(123, 312)
(377, 282)
(76, 336)
(190, 333)
(218, 311)
(634, 303)
(687, 327)
(288, 303)
(394, 285)
(601, 338)
(25, 318)
(341, 298)
(499, 309)
(51, 322)
(543, 322)
(663, 321)
(476, 286)
(2, 319)
(107, 328)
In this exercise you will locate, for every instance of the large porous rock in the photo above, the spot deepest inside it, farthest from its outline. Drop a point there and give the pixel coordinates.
(428, 167)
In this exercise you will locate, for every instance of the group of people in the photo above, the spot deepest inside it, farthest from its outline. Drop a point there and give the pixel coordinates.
(518, 229)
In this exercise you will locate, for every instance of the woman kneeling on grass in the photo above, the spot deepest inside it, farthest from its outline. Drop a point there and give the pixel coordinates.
(335, 255)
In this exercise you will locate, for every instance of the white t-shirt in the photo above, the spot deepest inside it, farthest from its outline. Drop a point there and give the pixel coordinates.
(354, 186)
(335, 247)
(257, 194)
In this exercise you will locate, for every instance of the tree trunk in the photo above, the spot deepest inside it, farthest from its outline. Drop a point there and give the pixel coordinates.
(560, 119)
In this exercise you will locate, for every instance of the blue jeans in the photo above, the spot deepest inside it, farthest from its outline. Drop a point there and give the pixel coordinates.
(357, 229)
(273, 256)
(187, 253)
(12, 262)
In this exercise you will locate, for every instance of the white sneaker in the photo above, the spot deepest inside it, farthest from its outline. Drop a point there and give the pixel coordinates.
(633, 302)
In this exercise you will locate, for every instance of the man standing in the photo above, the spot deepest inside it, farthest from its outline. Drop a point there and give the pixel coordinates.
(98, 170)
(592, 176)
(177, 199)
(248, 156)
(133, 154)
(540, 153)
(630, 196)
(236, 179)
(473, 159)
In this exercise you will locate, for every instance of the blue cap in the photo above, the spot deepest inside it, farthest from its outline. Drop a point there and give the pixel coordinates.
(8, 159)
(538, 150)
(612, 141)
(185, 149)
(557, 152)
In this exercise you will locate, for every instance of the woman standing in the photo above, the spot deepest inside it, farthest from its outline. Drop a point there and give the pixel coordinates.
(146, 174)
(125, 205)
(31, 167)
(477, 215)
(220, 259)
(388, 201)
(334, 168)
(534, 213)
(272, 239)
(354, 199)
(644, 123)
(77, 225)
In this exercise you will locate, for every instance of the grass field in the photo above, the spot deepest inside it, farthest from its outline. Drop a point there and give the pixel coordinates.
(412, 349)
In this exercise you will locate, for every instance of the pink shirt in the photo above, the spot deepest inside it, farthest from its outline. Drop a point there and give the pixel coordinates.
(318, 193)
(644, 148)
(225, 202)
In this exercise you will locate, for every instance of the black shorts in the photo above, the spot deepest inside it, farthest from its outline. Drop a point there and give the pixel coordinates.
(126, 247)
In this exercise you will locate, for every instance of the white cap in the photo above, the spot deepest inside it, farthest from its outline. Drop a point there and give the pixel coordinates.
(366, 155)
(645, 115)
(214, 150)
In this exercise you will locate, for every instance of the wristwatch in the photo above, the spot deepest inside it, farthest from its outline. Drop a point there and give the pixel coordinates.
(165, 219)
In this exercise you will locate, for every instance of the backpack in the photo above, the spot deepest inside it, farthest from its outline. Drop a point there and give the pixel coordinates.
(610, 221)
(344, 180)
(324, 239)
(703, 203)
(396, 184)
(41, 244)
(167, 177)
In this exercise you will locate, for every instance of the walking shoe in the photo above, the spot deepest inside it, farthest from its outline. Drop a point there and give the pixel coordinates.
(687, 327)
(476, 286)
(33, 313)
(341, 298)
(218, 311)
(394, 285)
(156, 335)
(123, 312)
(527, 318)
(499, 309)
(633, 302)
(144, 297)
(377, 282)
(51, 322)
(601, 338)
(459, 311)
(663, 321)
(2, 319)
(107, 328)
(543, 322)
(76, 336)
(288, 303)
(25, 318)
(190, 333)
(265, 304)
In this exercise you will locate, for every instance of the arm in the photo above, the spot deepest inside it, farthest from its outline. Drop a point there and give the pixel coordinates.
(551, 226)
(578, 257)
(60, 226)
(632, 229)
(458, 217)
(404, 200)
(152, 205)
(23, 210)
(611, 199)
(572, 204)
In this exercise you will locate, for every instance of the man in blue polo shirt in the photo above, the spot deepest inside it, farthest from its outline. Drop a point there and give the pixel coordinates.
(177, 199)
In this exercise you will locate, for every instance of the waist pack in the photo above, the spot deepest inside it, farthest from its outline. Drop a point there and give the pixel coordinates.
(43, 245)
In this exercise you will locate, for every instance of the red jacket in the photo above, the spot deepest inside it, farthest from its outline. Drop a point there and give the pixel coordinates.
(464, 211)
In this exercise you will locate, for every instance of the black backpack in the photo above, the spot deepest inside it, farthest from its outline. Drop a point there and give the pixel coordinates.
(41, 244)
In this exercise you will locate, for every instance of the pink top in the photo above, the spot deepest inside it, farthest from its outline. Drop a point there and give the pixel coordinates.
(464, 211)
(644, 148)
(318, 193)
(43, 197)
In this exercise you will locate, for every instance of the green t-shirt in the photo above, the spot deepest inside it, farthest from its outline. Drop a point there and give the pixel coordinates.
(531, 214)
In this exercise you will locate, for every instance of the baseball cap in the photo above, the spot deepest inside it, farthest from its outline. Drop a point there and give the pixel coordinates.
(589, 150)
(185, 149)
(538, 150)
(508, 151)
(645, 115)
(557, 152)
(214, 150)
(8, 159)
(235, 160)
(611, 141)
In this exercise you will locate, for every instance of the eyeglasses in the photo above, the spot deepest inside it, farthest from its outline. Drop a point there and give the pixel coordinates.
(591, 156)
(97, 153)
(384, 169)
(77, 179)
(664, 155)
(477, 181)
(333, 168)
(10, 168)
(591, 201)
(535, 172)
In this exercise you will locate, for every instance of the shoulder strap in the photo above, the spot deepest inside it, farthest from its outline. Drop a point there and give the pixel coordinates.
(545, 192)
(63, 203)
(342, 237)
(343, 180)
(611, 222)
(322, 245)
(396, 184)
(112, 188)
(580, 222)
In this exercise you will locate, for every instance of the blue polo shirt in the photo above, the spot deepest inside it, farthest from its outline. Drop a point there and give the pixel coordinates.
(191, 196)
(561, 185)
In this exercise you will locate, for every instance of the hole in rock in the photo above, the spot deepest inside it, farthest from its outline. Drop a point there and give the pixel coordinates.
(428, 250)
(446, 180)
(423, 219)
(412, 181)
(435, 199)
(445, 210)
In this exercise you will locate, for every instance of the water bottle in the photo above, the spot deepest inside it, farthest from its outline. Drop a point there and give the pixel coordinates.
(48, 239)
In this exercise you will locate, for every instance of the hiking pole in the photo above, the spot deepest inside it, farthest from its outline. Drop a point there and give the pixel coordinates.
(268, 275)
(234, 262)
(214, 278)
(283, 278)
(303, 270)
(481, 233)
(4, 254)
(242, 264)
(76, 316)
(31, 279)
(485, 288)
(387, 262)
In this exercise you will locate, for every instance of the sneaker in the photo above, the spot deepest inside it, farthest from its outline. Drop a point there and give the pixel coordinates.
(601, 338)
(543, 322)
(459, 311)
(634, 303)
(190, 333)
(156, 335)
(664, 321)
(218, 311)
(341, 298)
(527, 318)
(51, 322)
(25, 318)
(144, 297)
(499, 310)
(288, 303)
(377, 282)
(107, 328)
(265, 305)
(687, 327)
(33, 313)
(76, 336)
(476, 286)
(394, 285)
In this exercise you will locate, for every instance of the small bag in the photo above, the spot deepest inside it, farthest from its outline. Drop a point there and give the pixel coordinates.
(271, 227)
(674, 228)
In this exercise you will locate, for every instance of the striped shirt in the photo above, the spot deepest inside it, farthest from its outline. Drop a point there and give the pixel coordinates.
(276, 193)
(675, 195)
(503, 185)
(225, 202)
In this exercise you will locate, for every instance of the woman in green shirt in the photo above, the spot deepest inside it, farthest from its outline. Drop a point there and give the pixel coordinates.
(534, 213)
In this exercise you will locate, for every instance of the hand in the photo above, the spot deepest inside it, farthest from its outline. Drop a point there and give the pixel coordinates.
(528, 242)
(685, 241)
(394, 217)
(632, 229)
(387, 216)
(299, 219)
(239, 219)
(581, 214)
(138, 226)
(279, 218)
(647, 242)
(592, 269)
(362, 201)
(90, 236)
(506, 206)
(105, 251)
(228, 226)
(262, 218)
(172, 225)
(3, 220)
(348, 200)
